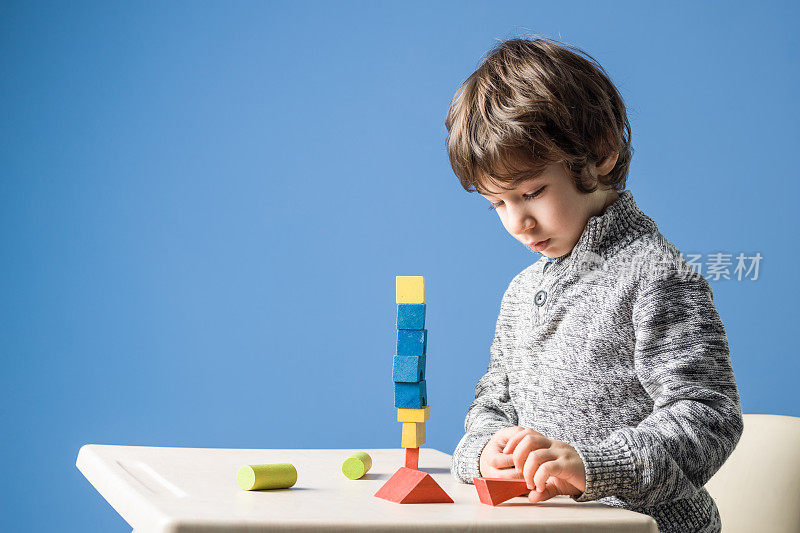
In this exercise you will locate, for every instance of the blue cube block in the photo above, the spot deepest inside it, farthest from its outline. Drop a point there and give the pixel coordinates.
(410, 316)
(408, 368)
(410, 395)
(412, 341)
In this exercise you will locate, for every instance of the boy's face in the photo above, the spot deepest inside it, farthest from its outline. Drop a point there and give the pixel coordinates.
(550, 208)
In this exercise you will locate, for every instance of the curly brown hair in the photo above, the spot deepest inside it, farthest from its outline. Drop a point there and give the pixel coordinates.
(537, 101)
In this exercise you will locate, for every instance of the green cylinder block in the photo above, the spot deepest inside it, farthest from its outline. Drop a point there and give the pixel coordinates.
(272, 476)
(357, 465)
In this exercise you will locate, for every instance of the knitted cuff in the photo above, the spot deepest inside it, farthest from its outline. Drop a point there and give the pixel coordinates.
(467, 458)
(610, 469)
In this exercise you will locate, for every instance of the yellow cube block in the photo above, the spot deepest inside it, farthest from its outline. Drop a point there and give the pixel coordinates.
(410, 290)
(413, 434)
(414, 415)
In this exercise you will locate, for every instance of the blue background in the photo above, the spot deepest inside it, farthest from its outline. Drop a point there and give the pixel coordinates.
(205, 205)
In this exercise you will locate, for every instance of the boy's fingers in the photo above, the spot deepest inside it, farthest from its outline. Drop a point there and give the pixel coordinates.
(493, 447)
(549, 491)
(513, 440)
(549, 468)
(520, 453)
(538, 440)
(502, 461)
(503, 434)
(506, 473)
(533, 466)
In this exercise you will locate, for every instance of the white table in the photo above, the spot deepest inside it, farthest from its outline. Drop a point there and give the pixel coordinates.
(194, 489)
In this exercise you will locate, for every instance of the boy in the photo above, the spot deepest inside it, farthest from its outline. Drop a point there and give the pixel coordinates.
(609, 376)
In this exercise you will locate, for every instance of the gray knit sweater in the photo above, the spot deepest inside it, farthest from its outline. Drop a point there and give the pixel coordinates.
(617, 349)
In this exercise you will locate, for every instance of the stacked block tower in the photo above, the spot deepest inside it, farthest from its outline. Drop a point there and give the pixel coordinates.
(408, 370)
(409, 485)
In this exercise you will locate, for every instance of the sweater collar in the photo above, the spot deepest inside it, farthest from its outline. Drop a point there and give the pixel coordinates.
(604, 235)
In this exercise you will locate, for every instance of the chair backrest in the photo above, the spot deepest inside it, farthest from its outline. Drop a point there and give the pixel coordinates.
(758, 487)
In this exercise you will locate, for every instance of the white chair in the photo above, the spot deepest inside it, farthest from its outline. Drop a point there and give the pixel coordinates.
(758, 487)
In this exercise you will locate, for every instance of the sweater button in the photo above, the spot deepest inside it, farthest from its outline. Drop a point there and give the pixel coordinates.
(540, 298)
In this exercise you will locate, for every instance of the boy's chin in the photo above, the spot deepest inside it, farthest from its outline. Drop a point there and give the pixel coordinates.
(541, 254)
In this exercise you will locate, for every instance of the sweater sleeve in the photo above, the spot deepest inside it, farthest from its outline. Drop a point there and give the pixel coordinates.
(682, 360)
(492, 409)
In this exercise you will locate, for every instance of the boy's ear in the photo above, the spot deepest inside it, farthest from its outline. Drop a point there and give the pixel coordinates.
(607, 165)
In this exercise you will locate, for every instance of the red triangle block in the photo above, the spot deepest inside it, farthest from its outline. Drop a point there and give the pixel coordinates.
(494, 491)
(412, 486)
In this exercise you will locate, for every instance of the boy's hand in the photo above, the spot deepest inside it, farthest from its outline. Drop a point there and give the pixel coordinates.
(550, 466)
(493, 462)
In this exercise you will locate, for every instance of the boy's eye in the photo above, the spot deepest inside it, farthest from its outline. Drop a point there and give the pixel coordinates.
(528, 196)
(534, 194)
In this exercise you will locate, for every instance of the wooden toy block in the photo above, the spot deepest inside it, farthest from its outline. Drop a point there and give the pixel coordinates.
(408, 368)
(410, 289)
(412, 458)
(412, 486)
(494, 491)
(410, 316)
(414, 415)
(410, 395)
(413, 434)
(272, 476)
(357, 465)
(412, 341)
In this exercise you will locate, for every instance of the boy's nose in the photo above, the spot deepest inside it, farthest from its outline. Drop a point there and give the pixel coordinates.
(520, 221)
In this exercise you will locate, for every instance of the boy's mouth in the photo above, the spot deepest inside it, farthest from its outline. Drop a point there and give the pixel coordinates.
(540, 246)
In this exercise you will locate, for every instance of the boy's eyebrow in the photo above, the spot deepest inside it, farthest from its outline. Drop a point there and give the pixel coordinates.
(534, 176)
